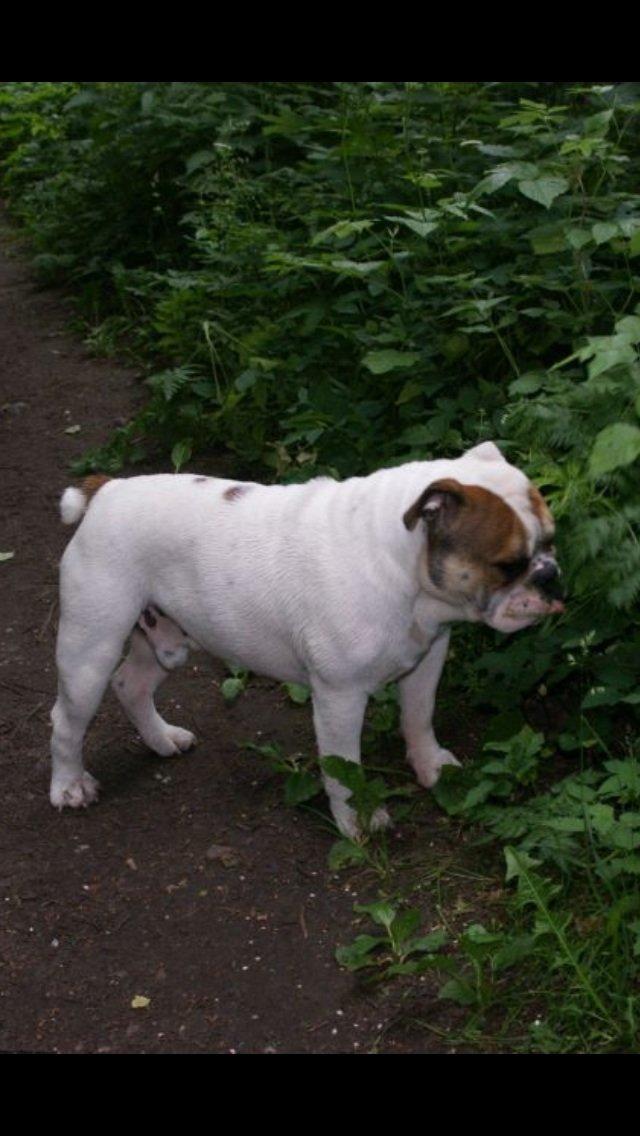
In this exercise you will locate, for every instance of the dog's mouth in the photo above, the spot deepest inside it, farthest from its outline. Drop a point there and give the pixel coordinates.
(521, 607)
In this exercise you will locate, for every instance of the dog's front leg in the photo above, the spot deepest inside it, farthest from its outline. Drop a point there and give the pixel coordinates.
(338, 716)
(417, 698)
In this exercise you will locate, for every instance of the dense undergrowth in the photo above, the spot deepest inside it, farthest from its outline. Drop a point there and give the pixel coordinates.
(334, 277)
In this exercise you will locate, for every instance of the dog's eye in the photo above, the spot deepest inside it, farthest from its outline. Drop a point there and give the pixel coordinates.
(511, 569)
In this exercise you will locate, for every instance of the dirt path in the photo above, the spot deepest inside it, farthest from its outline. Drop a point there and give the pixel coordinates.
(121, 900)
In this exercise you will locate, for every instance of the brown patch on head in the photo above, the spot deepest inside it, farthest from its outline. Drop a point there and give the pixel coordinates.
(542, 514)
(476, 542)
(91, 485)
(235, 491)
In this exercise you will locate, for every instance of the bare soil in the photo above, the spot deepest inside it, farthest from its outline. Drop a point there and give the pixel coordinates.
(128, 899)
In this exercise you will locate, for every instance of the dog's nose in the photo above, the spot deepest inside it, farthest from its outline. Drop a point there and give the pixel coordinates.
(545, 572)
(545, 578)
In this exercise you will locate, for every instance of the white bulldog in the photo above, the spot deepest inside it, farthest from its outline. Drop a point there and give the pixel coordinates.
(343, 586)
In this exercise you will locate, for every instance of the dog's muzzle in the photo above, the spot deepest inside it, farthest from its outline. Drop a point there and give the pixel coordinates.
(545, 577)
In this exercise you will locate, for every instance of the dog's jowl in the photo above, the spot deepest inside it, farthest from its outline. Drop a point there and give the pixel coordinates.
(343, 586)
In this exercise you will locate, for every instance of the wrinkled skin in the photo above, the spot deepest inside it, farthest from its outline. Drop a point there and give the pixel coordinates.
(520, 607)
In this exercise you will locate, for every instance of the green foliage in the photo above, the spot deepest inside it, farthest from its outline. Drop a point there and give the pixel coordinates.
(516, 764)
(297, 692)
(332, 277)
(398, 951)
(573, 854)
(301, 783)
(231, 687)
(367, 794)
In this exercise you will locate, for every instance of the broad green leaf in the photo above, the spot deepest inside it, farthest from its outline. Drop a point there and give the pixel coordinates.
(426, 180)
(422, 228)
(180, 454)
(360, 953)
(301, 786)
(199, 159)
(604, 231)
(501, 175)
(340, 230)
(231, 688)
(615, 446)
(344, 852)
(565, 824)
(356, 267)
(617, 355)
(513, 951)
(598, 123)
(634, 244)
(421, 435)
(528, 384)
(518, 863)
(381, 912)
(547, 240)
(544, 190)
(478, 794)
(380, 362)
(404, 925)
(578, 238)
(629, 328)
(410, 390)
(297, 692)
(431, 942)
(456, 990)
(601, 696)
(456, 345)
(348, 773)
(247, 379)
(620, 864)
(82, 99)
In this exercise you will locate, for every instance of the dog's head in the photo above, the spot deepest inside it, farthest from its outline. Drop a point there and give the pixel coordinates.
(489, 548)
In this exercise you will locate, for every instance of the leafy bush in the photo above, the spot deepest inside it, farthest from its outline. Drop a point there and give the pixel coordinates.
(332, 277)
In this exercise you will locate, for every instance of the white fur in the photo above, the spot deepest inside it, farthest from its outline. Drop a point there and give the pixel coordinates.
(316, 583)
(72, 505)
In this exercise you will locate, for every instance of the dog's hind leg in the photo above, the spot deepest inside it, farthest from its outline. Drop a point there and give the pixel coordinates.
(140, 675)
(90, 641)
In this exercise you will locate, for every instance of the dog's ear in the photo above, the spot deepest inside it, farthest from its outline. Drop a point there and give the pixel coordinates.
(440, 502)
(486, 451)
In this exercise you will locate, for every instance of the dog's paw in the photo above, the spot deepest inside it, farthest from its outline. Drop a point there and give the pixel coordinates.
(182, 739)
(75, 794)
(172, 741)
(347, 821)
(429, 766)
(380, 820)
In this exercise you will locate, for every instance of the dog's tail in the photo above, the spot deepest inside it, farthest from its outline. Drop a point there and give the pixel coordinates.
(74, 501)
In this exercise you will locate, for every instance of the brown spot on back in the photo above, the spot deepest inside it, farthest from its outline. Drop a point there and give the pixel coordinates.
(91, 485)
(235, 491)
(199, 480)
